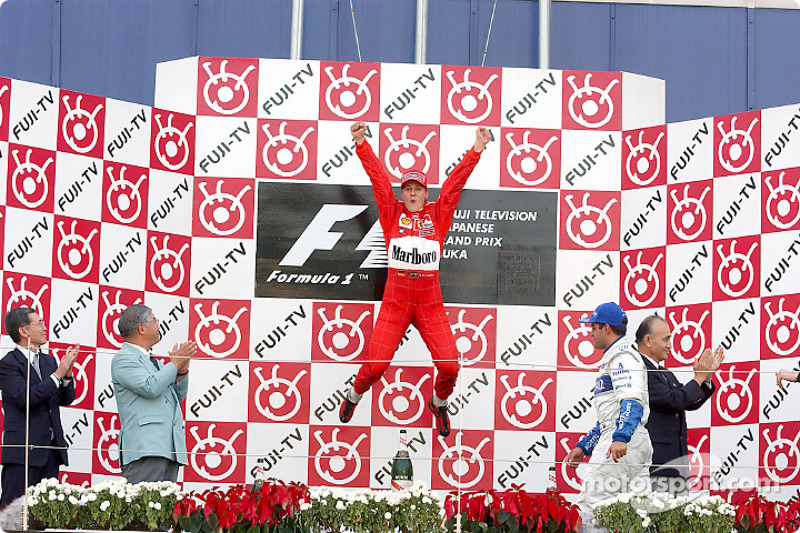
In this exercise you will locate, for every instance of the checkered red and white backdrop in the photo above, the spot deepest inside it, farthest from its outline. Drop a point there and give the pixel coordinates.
(108, 203)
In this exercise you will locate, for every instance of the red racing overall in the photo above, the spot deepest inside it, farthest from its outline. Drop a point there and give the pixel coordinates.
(412, 294)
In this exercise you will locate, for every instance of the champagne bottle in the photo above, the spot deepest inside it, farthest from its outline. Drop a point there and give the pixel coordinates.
(402, 471)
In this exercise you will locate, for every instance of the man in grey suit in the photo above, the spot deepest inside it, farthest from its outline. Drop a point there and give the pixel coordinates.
(152, 438)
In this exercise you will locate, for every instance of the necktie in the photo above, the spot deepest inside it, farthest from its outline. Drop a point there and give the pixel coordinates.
(155, 362)
(35, 364)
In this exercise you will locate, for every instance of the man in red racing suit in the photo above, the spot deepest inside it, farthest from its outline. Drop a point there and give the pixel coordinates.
(414, 231)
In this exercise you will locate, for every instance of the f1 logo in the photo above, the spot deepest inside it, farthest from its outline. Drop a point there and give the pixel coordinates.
(318, 236)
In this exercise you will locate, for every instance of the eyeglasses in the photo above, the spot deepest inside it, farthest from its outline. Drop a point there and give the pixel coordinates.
(150, 319)
(39, 323)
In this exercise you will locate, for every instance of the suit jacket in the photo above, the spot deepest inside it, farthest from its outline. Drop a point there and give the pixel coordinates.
(669, 401)
(45, 415)
(148, 401)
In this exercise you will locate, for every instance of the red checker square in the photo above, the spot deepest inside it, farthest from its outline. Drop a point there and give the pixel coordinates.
(223, 207)
(349, 91)
(217, 452)
(700, 460)
(340, 331)
(172, 141)
(83, 372)
(528, 400)
(76, 249)
(81, 119)
(404, 147)
(221, 328)
(168, 258)
(780, 195)
(691, 332)
(690, 211)
(105, 444)
(567, 479)
(736, 399)
(779, 454)
(2, 227)
(125, 193)
(227, 86)
(475, 333)
(113, 301)
(26, 290)
(644, 157)
(471, 95)
(737, 143)
(277, 391)
(780, 326)
(575, 346)
(642, 278)
(401, 396)
(589, 220)
(737, 266)
(287, 149)
(31, 178)
(82, 479)
(339, 456)
(592, 100)
(5, 107)
(475, 465)
(530, 158)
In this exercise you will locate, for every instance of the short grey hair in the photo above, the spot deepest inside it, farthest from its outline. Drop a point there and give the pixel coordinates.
(131, 317)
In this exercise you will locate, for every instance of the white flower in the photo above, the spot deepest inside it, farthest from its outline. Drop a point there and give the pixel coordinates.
(61, 497)
(157, 506)
(73, 500)
(51, 495)
(387, 516)
(151, 504)
(646, 522)
(105, 505)
(340, 505)
(305, 506)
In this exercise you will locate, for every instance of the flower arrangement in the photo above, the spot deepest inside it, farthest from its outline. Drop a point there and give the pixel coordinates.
(110, 505)
(416, 510)
(511, 510)
(755, 514)
(272, 507)
(649, 512)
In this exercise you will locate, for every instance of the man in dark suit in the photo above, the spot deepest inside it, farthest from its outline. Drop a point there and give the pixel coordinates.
(669, 401)
(51, 386)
